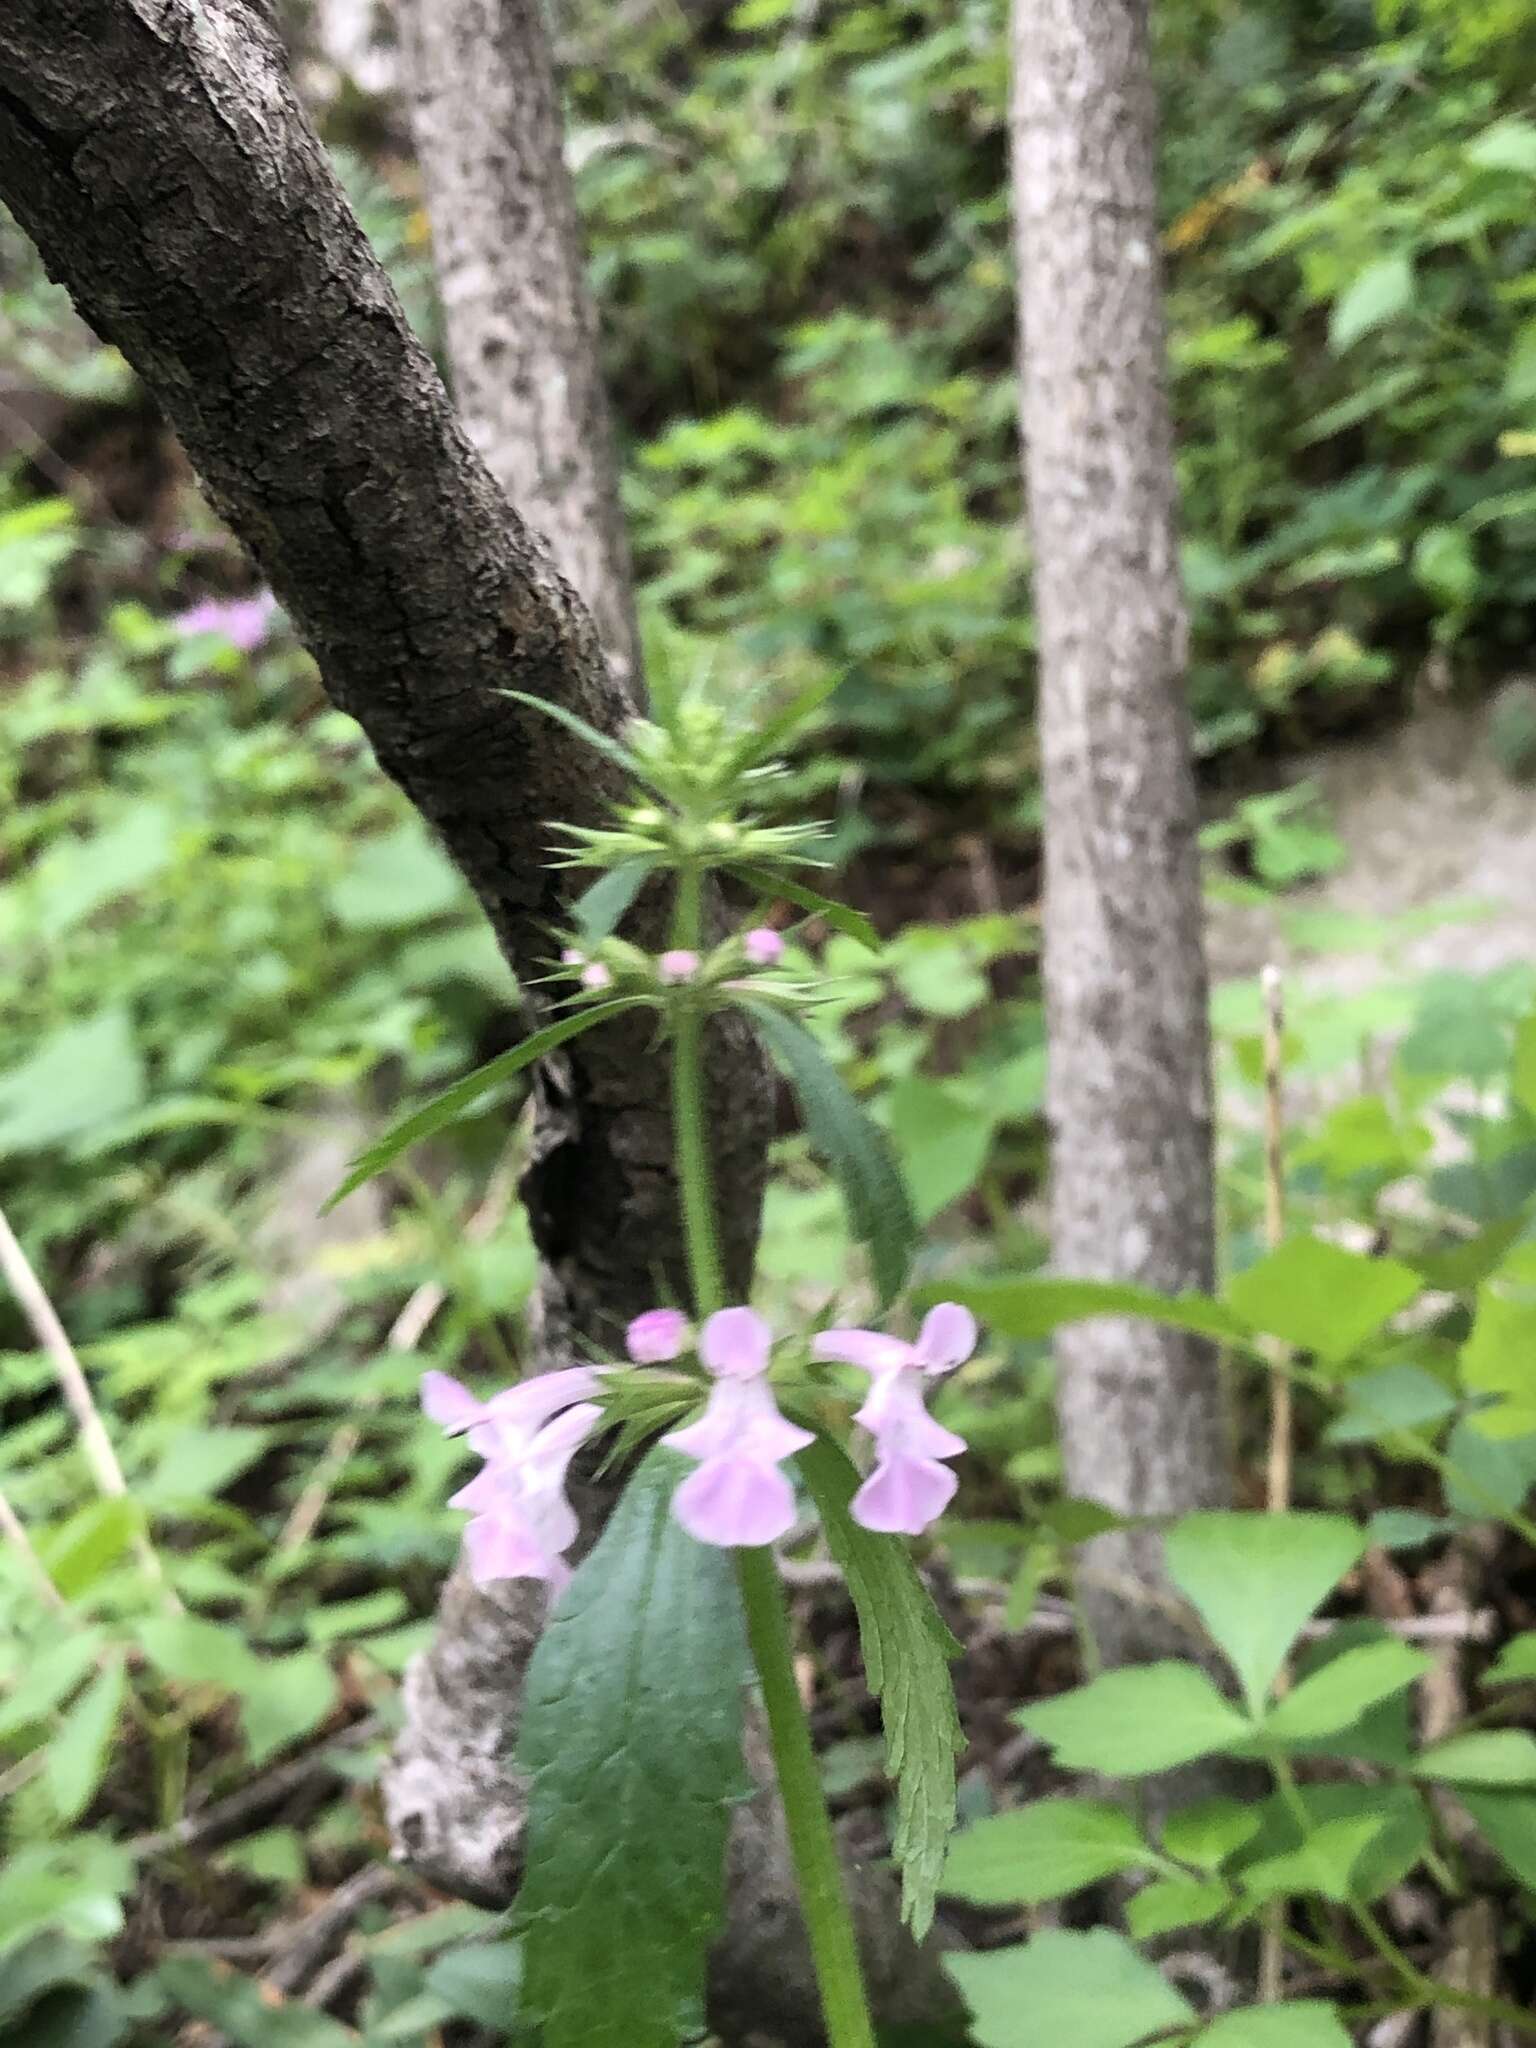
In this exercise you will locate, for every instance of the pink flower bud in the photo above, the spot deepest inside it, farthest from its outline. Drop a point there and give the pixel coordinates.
(656, 1336)
(596, 976)
(678, 965)
(763, 946)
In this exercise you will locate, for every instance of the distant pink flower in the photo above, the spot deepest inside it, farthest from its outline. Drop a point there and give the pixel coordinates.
(763, 946)
(573, 957)
(738, 1495)
(243, 621)
(522, 1522)
(910, 1486)
(596, 976)
(678, 965)
(657, 1336)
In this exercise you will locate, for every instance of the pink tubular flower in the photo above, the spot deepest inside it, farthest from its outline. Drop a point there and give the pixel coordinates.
(522, 1522)
(243, 621)
(910, 1486)
(678, 965)
(657, 1336)
(738, 1495)
(763, 946)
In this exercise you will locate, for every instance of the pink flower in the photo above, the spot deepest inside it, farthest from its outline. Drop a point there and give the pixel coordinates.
(910, 1486)
(738, 1495)
(763, 946)
(522, 1522)
(572, 956)
(678, 965)
(596, 976)
(243, 621)
(658, 1335)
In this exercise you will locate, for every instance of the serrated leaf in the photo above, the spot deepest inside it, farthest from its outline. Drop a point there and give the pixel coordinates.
(1345, 1688)
(842, 917)
(1041, 1852)
(1320, 1297)
(1303, 2023)
(1483, 1756)
(857, 1150)
(77, 1752)
(1133, 1722)
(1254, 1580)
(907, 1652)
(1176, 1902)
(600, 909)
(454, 1102)
(631, 1743)
(1092, 1990)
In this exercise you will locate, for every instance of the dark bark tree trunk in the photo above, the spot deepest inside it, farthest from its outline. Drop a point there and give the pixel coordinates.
(1129, 1092)
(156, 153)
(521, 325)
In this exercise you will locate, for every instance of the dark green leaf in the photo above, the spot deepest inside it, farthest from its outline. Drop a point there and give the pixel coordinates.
(856, 1149)
(853, 924)
(631, 1742)
(453, 1103)
(235, 2005)
(1508, 1819)
(600, 909)
(907, 1650)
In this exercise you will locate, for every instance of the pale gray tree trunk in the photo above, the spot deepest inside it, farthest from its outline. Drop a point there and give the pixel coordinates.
(156, 152)
(520, 323)
(1129, 1093)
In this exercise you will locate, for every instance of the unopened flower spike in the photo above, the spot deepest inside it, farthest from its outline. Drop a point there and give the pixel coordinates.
(739, 1495)
(911, 1485)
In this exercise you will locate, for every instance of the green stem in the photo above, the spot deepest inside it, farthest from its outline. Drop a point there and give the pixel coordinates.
(813, 1847)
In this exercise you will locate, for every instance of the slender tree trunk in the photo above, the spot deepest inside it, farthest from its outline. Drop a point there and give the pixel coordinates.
(1129, 1089)
(521, 327)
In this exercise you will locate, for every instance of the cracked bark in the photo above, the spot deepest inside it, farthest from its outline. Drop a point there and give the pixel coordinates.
(1129, 1094)
(156, 153)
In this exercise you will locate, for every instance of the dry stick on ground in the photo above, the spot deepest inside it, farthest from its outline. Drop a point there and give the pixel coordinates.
(12, 1529)
(76, 1389)
(405, 1335)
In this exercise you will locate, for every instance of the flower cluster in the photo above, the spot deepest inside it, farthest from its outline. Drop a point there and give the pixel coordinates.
(617, 962)
(738, 1494)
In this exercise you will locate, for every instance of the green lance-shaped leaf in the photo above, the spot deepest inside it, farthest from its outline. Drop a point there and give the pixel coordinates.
(907, 1651)
(454, 1102)
(856, 1149)
(780, 727)
(631, 1742)
(853, 924)
(600, 742)
(600, 909)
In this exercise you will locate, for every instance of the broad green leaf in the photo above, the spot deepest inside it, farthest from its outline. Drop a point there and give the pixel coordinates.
(781, 726)
(942, 1138)
(600, 909)
(198, 1652)
(1345, 1687)
(89, 1543)
(1210, 1831)
(1320, 1297)
(1034, 1305)
(1090, 1990)
(1396, 1813)
(1176, 1902)
(1322, 1866)
(1500, 1358)
(1132, 1722)
(1483, 1756)
(46, 1679)
(1374, 296)
(234, 2003)
(1304, 2023)
(74, 1885)
(1256, 1578)
(1522, 1077)
(275, 1856)
(284, 1698)
(1487, 1475)
(1380, 1403)
(1508, 1819)
(600, 742)
(395, 878)
(1506, 145)
(853, 924)
(1042, 1851)
(481, 1981)
(857, 1150)
(80, 1078)
(1516, 1660)
(454, 1102)
(78, 1750)
(907, 1652)
(631, 1744)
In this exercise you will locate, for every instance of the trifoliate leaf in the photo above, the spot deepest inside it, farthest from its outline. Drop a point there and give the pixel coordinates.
(631, 1743)
(907, 1650)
